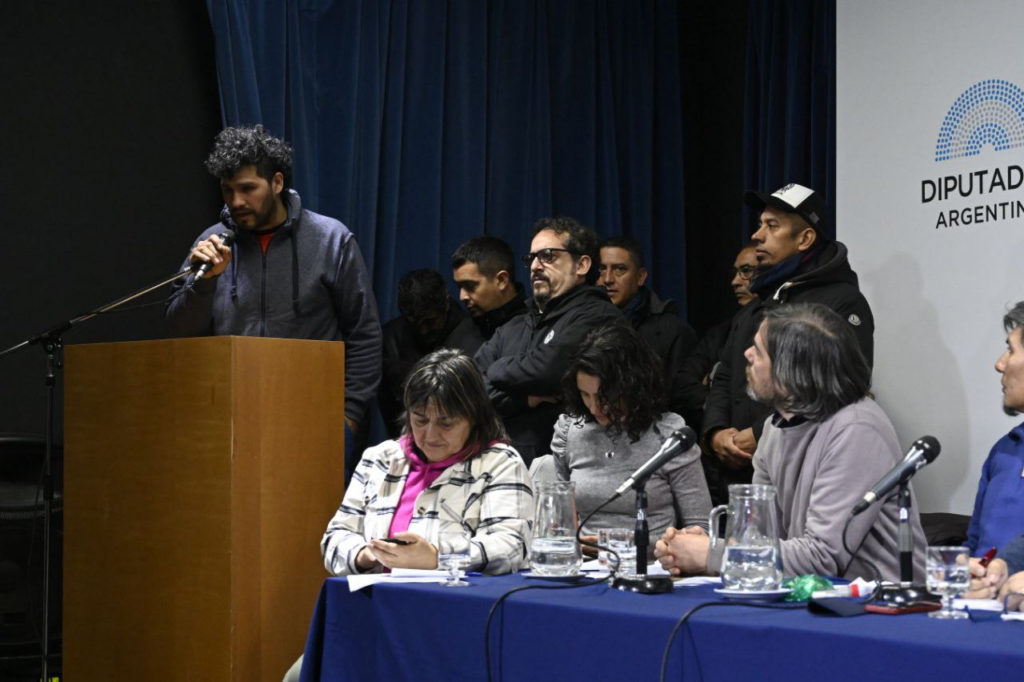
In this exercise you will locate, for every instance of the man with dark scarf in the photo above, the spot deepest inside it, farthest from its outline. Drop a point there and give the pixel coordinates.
(797, 263)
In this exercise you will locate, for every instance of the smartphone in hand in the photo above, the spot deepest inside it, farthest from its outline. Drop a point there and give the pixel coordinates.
(396, 541)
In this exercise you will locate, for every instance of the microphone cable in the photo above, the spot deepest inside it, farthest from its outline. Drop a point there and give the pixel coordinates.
(698, 607)
(853, 553)
(588, 583)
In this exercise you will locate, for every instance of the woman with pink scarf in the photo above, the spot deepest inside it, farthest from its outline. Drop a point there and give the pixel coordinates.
(450, 469)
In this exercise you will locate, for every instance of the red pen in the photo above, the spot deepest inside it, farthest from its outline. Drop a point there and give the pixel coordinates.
(989, 556)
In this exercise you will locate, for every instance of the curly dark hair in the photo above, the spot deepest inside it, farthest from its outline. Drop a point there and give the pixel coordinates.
(632, 388)
(422, 294)
(234, 148)
(580, 240)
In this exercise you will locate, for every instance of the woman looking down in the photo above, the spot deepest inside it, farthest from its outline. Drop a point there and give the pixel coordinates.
(614, 421)
(450, 469)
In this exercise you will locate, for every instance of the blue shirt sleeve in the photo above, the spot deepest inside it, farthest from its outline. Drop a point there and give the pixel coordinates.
(1013, 554)
(974, 529)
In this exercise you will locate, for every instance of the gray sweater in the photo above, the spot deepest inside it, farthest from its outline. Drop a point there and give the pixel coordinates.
(676, 495)
(821, 470)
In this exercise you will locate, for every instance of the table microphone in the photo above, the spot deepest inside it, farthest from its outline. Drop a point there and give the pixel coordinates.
(923, 452)
(680, 441)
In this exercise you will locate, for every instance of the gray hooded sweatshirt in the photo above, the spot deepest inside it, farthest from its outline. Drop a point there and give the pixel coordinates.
(310, 284)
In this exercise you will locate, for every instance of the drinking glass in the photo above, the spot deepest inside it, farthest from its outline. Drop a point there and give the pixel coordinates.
(602, 553)
(621, 541)
(453, 555)
(948, 574)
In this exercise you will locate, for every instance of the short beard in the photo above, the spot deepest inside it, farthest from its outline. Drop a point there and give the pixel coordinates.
(771, 400)
(1010, 412)
(542, 298)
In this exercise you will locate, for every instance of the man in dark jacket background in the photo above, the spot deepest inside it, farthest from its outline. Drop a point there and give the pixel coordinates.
(524, 360)
(796, 264)
(657, 322)
(484, 270)
(429, 321)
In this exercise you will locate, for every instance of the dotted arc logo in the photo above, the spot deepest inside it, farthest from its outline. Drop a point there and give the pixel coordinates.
(987, 113)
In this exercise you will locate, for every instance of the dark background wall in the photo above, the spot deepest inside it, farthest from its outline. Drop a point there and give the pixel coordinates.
(712, 43)
(110, 109)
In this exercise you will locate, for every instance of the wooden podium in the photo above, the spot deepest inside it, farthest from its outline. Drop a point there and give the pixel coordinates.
(200, 475)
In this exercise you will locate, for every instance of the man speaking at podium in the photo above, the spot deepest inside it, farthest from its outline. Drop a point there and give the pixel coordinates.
(290, 273)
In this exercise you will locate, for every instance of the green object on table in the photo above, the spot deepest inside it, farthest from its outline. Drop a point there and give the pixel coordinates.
(805, 585)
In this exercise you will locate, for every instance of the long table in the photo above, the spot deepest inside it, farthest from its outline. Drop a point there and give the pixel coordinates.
(416, 631)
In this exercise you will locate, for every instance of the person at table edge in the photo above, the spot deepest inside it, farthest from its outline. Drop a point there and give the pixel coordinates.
(451, 469)
(825, 444)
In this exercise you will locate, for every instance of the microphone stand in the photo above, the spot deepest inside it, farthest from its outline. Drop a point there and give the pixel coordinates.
(52, 343)
(906, 592)
(641, 582)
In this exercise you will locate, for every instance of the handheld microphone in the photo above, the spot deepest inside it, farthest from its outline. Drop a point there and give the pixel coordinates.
(923, 452)
(227, 238)
(680, 441)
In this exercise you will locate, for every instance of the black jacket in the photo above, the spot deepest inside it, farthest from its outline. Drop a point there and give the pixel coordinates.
(489, 322)
(828, 280)
(658, 323)
(693, 392)
(528, 355)
(402, 351)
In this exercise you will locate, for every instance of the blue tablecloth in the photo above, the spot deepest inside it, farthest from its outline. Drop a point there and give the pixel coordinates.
(416, 631)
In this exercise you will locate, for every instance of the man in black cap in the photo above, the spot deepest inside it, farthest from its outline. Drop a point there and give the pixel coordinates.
(797, 263)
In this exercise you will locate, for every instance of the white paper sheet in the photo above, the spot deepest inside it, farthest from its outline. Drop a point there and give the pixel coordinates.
(978, 604)
(399, 575)
(695, 580)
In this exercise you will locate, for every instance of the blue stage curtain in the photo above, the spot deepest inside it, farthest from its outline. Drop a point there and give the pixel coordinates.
(790, 118)
(423, 123)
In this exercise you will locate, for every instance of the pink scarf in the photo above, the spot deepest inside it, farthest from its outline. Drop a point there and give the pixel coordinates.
(422, 475)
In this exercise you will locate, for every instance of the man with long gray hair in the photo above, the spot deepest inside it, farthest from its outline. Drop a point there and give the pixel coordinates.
(824, 445)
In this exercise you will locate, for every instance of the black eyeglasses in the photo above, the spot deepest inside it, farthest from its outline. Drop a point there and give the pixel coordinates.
(545, 256)
(744, 271)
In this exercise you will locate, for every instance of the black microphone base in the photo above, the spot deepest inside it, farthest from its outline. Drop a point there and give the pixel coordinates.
(898, 595)
(644, 584)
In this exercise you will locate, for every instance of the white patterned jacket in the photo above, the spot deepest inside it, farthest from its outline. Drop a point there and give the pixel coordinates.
(489, 495)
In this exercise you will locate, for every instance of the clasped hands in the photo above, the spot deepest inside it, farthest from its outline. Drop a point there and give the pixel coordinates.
(417, 554)
(683, 552)
(734, 447)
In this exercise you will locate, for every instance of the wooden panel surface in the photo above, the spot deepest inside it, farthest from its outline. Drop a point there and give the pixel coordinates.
(290, 423)
(147, 511)
(200, 475)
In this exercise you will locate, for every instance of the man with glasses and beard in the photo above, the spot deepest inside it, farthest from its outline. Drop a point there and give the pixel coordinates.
(523, 362)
